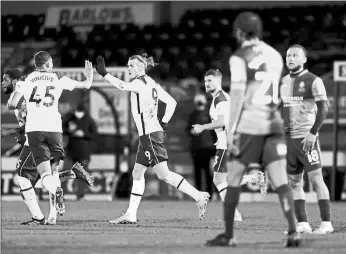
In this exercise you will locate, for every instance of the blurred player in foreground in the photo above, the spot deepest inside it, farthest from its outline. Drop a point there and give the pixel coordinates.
(40, 92)
(145, 95)
(257, 131)
(219, 113)
(305, 107)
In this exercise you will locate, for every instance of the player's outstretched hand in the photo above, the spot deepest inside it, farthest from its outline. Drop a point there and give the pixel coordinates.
(101, 66)
(88, 69)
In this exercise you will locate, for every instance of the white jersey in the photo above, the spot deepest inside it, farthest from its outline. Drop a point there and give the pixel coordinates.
(145, 96)
(220, 106)
(42, 91)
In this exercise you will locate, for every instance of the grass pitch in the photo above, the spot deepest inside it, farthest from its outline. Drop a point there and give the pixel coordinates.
(163, 227)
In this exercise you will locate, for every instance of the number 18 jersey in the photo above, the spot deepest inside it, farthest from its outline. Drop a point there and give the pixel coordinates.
(41, 91)
(259, 66)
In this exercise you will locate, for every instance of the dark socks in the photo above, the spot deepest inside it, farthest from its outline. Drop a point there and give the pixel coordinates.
(230, 204)
(325, 213)
(286, 200)
(300, 210)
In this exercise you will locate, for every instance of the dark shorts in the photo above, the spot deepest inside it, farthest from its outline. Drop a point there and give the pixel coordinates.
(220, 161)
(46, 145)
(260, 149)
(298, 160)
(151, 150)
(25, 166)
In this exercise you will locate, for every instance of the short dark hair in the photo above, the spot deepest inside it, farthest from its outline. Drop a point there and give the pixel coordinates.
(41, 58)
(14, 73)
(300, 47)
(250, 23)
(213, 72)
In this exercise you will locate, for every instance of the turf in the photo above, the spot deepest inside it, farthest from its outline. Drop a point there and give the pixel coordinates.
(163, 227)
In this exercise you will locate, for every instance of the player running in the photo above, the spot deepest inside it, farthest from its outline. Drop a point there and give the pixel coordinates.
(145, 95)
(40, 92)
(305, 107)
(257, 132)
(219, 113)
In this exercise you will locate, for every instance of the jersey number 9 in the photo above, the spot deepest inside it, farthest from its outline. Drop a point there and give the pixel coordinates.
(36, 97)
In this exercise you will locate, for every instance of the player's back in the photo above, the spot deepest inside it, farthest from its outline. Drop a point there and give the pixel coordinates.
(264, 66)
(42, 92)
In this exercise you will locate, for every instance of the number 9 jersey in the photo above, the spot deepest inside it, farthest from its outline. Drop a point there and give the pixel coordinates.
(259, 66)
(42, 91)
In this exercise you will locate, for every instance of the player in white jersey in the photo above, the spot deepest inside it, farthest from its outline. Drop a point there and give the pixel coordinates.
(219, 113)
(41, 91)
(145, 95)
(27, 177)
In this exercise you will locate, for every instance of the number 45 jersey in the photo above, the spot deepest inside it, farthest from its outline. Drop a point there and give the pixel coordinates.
(259, 66)
(42, 91)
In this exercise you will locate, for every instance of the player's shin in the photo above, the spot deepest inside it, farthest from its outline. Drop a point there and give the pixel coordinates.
(138, 186)
(220, 181)
(278, 175)
(235, 173)
(176, 180)
(29, 197)
(296, 183)
(316, 178)
(48, 181)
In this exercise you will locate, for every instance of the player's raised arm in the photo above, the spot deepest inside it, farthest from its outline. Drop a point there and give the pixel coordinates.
(170, 104)
(237, 92)
(70, 84)
(118, 83)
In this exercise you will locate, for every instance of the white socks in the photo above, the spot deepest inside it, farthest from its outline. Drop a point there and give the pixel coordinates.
(181, 184)
(49, 182)
(222, 188)
(136, 195)
(29, 197)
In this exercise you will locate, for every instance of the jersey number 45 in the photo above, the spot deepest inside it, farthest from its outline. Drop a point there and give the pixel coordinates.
(38, 99)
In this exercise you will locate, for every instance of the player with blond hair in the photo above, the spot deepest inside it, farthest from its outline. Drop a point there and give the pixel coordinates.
(145, 96)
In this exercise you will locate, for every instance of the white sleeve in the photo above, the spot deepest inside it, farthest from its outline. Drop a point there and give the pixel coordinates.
(134, 86)
(169, 101)
(67, 84)
(238, 72)
(318, 90)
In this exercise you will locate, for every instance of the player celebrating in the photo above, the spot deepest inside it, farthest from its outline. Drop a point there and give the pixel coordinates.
(26, 172)
(257, 132)
(42, 90)
(219, 113)
(305, 107)
(145, 95)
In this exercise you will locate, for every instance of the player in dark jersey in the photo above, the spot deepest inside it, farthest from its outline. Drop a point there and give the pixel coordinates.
(256, 127)
(27, 177)
(305, 107)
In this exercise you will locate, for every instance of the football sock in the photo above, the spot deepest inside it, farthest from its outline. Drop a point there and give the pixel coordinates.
(29, 197)
(286, 200)
(300, 210)
(49, 182)
(181, 184)
(230, 204)
(222, 188)
(136, 195)
(57, 179)
(52, 203)
(324, 205)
